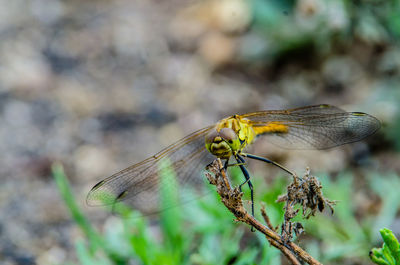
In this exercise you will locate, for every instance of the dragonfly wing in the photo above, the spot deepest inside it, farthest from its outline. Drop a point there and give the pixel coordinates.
(313, 127)
(267, 116)
(139, 185)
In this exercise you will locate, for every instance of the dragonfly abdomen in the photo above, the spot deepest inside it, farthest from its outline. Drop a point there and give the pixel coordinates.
(272, 127)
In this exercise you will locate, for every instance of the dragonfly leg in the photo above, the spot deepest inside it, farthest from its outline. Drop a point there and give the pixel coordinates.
(226, 164)
(236, 164)
(270, 162)
(246, 174)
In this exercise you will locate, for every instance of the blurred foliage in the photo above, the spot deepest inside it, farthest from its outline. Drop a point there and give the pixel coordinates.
(389, 253)
(345, 234)
(211, 238)
(203, 232)
(284, 27)
(392, 129)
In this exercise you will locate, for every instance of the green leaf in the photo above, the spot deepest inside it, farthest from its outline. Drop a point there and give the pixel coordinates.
(392, 244)
(376, 256)
(68, 197)
(171, 217)
(389, 254)
(169, 200)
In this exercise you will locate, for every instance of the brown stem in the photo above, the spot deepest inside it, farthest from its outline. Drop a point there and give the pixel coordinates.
(266, 218)
(232, 199)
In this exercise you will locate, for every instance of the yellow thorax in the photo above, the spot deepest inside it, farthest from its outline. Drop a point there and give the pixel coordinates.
(241, 127)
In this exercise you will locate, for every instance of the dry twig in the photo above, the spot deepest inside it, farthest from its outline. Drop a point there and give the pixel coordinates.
(266, 218)
(307, 192)
(232, 199)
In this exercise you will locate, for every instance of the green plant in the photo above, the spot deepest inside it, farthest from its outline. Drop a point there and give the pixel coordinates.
(201, 232)
(204, 232)
(389, 253)
(292, 27)
(345, 235)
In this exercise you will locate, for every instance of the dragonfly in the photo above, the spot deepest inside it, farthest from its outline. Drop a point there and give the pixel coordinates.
(312, 127)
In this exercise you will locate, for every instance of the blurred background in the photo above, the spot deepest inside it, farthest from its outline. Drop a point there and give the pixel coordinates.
(98, 85)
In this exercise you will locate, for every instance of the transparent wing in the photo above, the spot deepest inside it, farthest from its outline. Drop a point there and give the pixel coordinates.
(139, 185)
(313, 127)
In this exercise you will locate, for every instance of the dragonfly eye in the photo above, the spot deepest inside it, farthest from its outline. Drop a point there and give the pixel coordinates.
(211, 136)
(228, 135)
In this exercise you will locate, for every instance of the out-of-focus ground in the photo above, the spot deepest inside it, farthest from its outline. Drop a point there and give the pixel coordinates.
(101, 84)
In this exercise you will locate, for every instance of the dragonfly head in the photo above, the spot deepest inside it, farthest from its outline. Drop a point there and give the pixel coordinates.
(222, 143)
